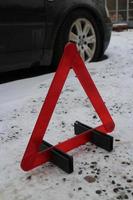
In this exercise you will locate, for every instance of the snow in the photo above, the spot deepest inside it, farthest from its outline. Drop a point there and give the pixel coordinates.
(112, 173)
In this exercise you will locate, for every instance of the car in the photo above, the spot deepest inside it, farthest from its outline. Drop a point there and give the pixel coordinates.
(36, 31)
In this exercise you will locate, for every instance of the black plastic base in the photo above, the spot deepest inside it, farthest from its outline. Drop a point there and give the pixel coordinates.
(98, 138)
(59, 158)
(65, 161)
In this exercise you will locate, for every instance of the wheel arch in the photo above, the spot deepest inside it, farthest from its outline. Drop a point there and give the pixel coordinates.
(87, 8)
(50, 47)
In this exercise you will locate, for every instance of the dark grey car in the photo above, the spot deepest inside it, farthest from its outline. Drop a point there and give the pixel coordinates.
(36, 30)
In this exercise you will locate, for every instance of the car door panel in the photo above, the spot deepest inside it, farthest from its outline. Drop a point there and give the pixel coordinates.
(22, 26)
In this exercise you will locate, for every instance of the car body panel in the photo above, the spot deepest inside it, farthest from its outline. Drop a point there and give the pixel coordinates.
(28, 28)
(59, 12)
(22, 31)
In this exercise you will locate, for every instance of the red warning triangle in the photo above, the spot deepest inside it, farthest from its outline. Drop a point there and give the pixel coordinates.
(70, 59)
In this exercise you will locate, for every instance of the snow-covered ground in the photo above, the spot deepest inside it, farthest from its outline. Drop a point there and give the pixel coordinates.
(97, 173)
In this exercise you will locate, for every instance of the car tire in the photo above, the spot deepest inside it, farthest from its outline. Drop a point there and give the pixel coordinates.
(81, 18)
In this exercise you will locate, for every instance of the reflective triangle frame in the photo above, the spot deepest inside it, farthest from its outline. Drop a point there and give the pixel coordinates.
(38, 151)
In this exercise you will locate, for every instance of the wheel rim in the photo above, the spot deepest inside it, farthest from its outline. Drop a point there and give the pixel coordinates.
(83, 34)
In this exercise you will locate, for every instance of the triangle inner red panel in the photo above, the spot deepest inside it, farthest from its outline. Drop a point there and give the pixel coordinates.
(70, 59)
